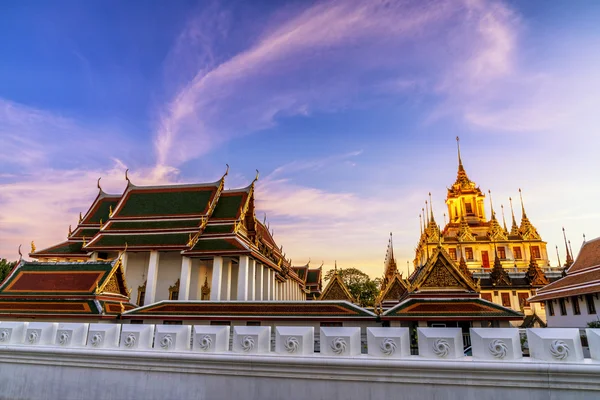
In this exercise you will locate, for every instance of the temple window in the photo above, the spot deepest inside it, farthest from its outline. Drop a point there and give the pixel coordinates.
(486, 296)
(535, 252)
(575, 304)
(174, 291)
(469, 208)
(502, 252)
(550, 307)
(563, 307)
(523, 300)
(517, 253)
(469, 253)
(452, 254)
(485, 259)
(505, 299)
(591, 307)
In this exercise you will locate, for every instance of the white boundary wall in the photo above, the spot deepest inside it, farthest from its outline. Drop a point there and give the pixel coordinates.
(61, 369)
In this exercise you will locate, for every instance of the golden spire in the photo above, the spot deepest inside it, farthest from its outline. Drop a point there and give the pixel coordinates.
(514, 229)
(32, 247)
(503, 218)
(101, 223)
(424, 216)
(110, 211)
(421, 224)
(492, 205)
(70, 232)
(80, 217)
(569, 256)
(431, 208)
(557, 255)
(460, 165)
(522, 206)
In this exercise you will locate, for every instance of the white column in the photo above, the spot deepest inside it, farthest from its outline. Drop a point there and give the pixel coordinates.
(227, 280)
(268, 287)
(217, 277)
(251, 278)
(152, 278)
(259, 282)
(94, 256)
(242, 282)
(273, 286)
(124, 259)
(184, 278)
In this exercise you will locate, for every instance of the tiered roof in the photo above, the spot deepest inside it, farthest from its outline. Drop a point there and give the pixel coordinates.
(311, 277)
(72, 290)
(336, 289)
(583, 277)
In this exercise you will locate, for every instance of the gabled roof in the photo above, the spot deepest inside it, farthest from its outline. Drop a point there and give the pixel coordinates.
(73, 289)
(449, 309)
(301, 271)
(583, 277)
(394, 290)
(249, 310)
(336, 289)
(440, 273)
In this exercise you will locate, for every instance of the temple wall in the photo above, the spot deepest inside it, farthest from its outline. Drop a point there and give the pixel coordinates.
(169, 270)
(570, 320)
(58, 372)
(137, 272)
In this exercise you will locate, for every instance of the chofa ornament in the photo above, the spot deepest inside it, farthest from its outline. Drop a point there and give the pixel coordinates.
(498, 348)
(388, 346)
(441, 347)
(63, 338)
(247, 343)
(559, 350)
(291, 344)
(130, 340)
(96, 339)
(166, 342)
(4, 335)
(33, 337)
(205, 343)
(338, 345)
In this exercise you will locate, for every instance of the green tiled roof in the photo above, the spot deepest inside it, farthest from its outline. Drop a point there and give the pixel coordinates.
(66, 248)
(102, 212)
(312, 277)
(228, 206)
(143, 225)
(179, 202)
(218, 229)
(87, 232)
(300, 272)
(176, 239)
(217, 244)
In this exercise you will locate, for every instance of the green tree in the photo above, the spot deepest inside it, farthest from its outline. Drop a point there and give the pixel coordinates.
(5, 268)
(360, 285)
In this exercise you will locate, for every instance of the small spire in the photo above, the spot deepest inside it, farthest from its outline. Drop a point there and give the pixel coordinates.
(421, 224)
(460, 165)
(80, 217)
(424, 216)
(427, 210)
(444, 219)
(584, 238)
(335, 266)
(70, 232)
(503, 218)
(570, 248)
(522, 206)
(431, 207)
(567, 245)
(514, 228)
(492, 205)
(557, 255)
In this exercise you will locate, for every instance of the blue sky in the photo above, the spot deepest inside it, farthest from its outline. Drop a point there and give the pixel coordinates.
(349, 109)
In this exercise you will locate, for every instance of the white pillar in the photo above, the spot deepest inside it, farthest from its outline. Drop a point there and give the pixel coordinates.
(268, 283)
(150, 296)
(258, 293)
(184, 278)
(273, 286)
(217, 277)
(242, 281)
(251, 278)
(227, 280)
(124, 259)
(94, 256)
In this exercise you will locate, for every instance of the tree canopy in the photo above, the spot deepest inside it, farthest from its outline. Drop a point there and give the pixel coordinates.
(360, 285)
(5, 268)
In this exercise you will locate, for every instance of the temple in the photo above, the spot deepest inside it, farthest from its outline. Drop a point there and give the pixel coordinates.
(184, 242)
(509, 265)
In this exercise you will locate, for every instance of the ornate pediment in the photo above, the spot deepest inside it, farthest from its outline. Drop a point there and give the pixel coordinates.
(394, 290)
(528, 231)
(464, 232)
(535, 275)
(499, 276)
(336, 289)
(441, 273)
(495, 231)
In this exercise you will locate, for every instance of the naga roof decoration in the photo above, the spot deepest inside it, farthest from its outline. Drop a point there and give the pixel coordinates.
(61, 289)
(535, 275)
(440, 273)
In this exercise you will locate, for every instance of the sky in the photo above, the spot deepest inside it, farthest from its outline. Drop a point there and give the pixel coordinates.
(349, 110)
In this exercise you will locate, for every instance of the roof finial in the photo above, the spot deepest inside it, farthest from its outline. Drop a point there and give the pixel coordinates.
(570, 248)
(335, 266)
(427, 212)
(569, 253)
(444, 219)
(557, 255)
(431, 207)
(460, 166)
(584, 238)
(522, 206)
(127, 175)
(421, 224)
(80, 217)
(256, 177)
(265, 219)
(503, 218)
(98, 183)
(70, 232)
(20, 254)
(32, 247)
(424, 217)
(226, 171)
(492, 205)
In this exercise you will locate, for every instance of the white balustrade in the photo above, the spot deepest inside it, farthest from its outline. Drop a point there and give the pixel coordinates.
(340, 341)
(251, 339)
(172, 337)
(71, 334)
(12, 332)
(40, 333)
(593, 338)
(496, 344)
(294, 340)
(103, 336)
(136, 337)
(388, 342)
(446, 343)
(555, 344)
(211, 339)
